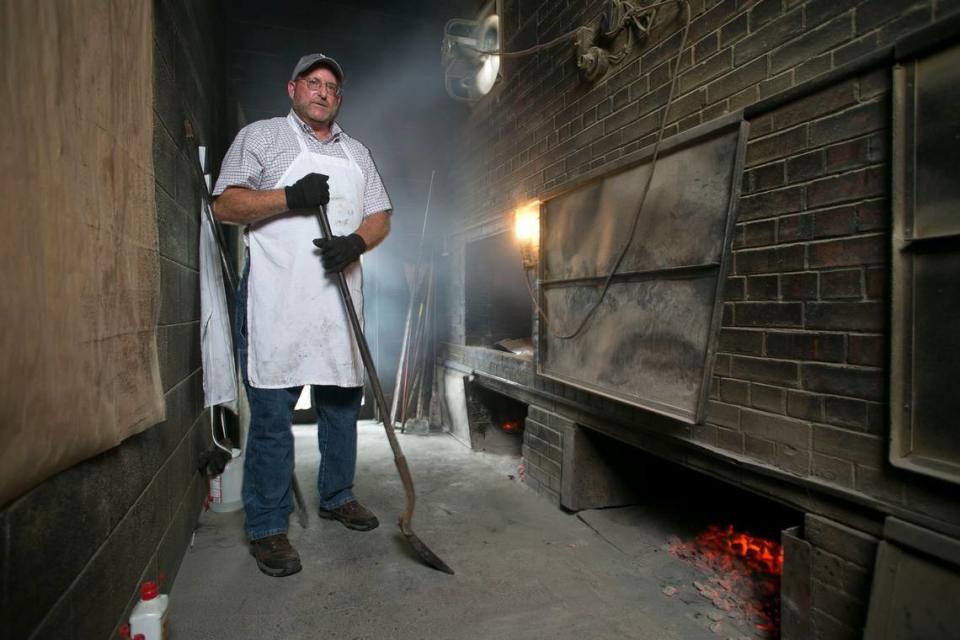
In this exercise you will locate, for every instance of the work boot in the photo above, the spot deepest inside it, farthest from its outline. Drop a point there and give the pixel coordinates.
(275, 555)
(353, 515)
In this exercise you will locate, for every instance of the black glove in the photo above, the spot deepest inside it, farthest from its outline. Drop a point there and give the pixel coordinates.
(339, 251)
(309, 192)
(214, 460)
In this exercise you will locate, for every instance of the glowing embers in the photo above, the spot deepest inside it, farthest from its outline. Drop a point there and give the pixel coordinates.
(743, 575)
(512, 426)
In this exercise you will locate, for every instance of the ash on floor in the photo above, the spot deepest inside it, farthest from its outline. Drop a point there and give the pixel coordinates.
(523, 567)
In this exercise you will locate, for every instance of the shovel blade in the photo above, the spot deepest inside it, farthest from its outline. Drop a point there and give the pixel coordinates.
(428, 556)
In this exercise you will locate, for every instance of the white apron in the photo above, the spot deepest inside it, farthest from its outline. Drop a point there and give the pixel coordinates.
(216, 346)
(298, 331)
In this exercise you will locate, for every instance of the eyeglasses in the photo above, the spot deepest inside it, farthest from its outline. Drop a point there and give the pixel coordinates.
(315, 84)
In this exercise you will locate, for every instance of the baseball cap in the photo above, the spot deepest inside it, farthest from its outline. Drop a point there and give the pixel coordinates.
(312, 60)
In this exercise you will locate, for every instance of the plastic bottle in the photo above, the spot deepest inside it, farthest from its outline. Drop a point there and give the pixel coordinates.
(149, 616)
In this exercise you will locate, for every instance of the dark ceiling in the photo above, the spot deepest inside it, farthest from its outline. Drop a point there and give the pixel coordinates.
(365, 36)
(404, 9)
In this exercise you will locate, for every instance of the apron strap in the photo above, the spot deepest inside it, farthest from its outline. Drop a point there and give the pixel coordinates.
(346, 152)
(298, 133)
(303, 148)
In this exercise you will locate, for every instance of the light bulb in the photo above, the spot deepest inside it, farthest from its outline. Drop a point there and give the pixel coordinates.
(526, 221)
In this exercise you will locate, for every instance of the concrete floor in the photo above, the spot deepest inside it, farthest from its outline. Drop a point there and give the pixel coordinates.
(524, 569)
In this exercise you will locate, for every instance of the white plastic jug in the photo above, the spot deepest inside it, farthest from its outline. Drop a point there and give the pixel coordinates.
(225, 489)
(149, 616)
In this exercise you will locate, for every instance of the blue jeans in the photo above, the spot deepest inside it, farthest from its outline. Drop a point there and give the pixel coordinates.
(268, 464)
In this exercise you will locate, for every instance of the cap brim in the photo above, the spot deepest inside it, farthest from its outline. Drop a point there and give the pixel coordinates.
(327, 63)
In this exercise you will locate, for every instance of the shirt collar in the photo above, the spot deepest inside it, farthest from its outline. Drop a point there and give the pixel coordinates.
(335, 130)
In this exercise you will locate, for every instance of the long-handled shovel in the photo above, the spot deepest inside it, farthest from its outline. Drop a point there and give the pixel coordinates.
(421, 549)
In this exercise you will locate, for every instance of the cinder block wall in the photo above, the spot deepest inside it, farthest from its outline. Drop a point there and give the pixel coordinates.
(76, 547)
(798, 405)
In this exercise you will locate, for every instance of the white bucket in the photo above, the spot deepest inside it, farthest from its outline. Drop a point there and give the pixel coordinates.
(225, 489)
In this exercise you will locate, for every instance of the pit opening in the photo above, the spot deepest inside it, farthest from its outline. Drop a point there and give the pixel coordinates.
(726, 540)
(497, 302)
(496, 421)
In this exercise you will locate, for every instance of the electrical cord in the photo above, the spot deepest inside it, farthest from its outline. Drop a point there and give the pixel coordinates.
(642, 19)
(525, 52)
(625, 50)
(635, 14)
(643, 196)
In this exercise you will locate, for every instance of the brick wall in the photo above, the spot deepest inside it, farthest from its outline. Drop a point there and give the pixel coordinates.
(803, 345)
(841, 568)
(497, 363)
(826, 581)
(571, 466)
(799, 387)
(76, 547)
(543, 452)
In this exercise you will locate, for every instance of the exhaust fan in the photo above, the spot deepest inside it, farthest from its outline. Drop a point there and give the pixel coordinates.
(469, 74)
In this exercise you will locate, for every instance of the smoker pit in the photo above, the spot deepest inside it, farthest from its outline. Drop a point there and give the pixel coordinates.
(730, 549)
(496, 421)
(498, 303)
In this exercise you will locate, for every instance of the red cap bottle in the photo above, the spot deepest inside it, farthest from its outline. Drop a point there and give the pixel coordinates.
(149, 615)
(148, 591)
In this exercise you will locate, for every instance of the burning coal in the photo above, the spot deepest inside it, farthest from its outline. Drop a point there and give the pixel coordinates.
(743, 574)
(511, 426)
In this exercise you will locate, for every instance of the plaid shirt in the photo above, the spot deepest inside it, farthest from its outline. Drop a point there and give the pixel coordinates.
(263, 151)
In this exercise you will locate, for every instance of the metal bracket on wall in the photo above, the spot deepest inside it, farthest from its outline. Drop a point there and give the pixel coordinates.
(621, 21)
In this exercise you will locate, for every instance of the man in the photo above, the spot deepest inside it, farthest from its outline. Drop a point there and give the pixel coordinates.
(292, 326)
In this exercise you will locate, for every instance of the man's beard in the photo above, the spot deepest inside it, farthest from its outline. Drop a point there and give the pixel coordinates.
(303, 112)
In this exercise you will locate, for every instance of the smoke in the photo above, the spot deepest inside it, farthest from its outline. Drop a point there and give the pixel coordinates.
(397, 106)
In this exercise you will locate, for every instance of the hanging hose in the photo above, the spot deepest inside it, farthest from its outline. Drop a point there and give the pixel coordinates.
(214, 460)
(223, 429)
(643, 196)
